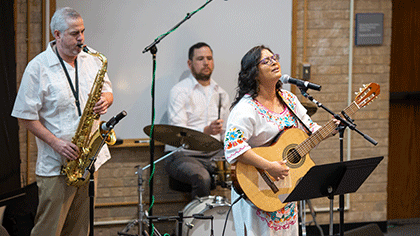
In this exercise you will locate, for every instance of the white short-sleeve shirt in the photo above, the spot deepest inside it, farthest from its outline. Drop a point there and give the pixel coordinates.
(45, 95)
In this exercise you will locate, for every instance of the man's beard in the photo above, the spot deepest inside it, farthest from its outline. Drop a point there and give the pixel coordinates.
(201, 76)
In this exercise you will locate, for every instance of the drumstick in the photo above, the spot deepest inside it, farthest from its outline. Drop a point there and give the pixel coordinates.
(220, 105)
(218, 116)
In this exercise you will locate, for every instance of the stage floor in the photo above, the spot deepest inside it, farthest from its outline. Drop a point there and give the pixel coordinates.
(408, 227)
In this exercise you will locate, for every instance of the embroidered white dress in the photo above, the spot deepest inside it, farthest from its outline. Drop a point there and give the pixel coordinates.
(250, 125)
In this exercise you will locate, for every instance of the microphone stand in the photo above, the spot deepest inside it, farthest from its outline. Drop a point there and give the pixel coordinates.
(91, 169)
(345, 121)
(153, 50)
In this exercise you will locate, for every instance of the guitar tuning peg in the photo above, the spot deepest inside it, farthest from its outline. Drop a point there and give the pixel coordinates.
(364, 85)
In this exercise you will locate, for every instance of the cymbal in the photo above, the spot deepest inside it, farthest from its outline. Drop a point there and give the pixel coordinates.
(191, 139)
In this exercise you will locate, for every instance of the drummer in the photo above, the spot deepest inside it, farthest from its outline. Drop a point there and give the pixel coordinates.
(197, 103)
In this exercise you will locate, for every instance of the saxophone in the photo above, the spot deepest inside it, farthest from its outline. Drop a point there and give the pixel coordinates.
(88, 143)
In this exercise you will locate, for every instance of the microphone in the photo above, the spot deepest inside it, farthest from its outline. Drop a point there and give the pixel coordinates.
(113, 121)
(286, 79)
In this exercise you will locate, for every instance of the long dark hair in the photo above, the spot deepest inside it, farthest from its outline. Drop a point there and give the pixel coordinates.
(247, 80)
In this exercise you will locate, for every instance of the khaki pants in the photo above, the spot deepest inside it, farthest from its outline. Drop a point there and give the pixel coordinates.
(62, 209)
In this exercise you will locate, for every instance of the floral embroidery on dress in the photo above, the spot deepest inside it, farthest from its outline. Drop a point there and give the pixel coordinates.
(233, 138)
(282, 121)
(281, 219)
(289, 99)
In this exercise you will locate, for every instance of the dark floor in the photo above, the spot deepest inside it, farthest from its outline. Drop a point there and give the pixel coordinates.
(403, 227)
(409, 227)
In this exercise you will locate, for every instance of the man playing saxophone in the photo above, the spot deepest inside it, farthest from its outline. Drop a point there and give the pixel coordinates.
(52, 95)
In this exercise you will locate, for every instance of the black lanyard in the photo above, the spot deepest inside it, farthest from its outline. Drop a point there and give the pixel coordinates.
(75, 91)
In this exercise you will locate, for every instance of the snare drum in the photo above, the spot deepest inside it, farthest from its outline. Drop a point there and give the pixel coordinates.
(218, 207)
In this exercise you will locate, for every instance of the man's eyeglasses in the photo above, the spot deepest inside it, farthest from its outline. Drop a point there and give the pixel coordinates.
(270, 60)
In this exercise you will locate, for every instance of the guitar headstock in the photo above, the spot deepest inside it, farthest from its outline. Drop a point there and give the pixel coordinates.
(367, 94)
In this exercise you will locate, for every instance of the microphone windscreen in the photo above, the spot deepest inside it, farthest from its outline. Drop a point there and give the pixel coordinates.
(285, 79)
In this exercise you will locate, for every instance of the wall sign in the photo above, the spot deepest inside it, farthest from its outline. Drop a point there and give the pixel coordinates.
(369, 29)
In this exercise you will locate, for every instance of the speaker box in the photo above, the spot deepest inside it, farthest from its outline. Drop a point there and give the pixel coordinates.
(19, 216)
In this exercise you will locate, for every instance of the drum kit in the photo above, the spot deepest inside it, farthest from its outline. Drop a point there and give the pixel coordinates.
(205, 215)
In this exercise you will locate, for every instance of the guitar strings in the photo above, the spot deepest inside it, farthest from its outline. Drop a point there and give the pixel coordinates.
(303, 148)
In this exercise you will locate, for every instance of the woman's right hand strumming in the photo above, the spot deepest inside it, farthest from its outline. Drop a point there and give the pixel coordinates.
(278, 170)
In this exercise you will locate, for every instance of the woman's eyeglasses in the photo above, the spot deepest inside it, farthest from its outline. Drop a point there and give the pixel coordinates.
(270, 60)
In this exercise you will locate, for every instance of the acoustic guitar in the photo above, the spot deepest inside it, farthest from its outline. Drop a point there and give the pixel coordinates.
(292, 145)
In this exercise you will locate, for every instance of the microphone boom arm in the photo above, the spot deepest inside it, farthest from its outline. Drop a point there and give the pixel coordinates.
(162, 36)
(344, 122)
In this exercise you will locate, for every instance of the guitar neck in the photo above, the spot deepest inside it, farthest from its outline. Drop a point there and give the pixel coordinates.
(319, 135)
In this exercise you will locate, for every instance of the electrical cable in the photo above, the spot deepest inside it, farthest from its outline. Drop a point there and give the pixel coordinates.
(230, 208)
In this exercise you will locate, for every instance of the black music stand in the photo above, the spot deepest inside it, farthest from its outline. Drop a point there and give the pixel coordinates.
(332, 179)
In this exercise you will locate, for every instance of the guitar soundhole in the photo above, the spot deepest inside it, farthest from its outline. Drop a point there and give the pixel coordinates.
(294, 160)
(293, 156)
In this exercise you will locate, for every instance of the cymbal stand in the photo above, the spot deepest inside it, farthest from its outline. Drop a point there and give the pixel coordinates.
(141, 213)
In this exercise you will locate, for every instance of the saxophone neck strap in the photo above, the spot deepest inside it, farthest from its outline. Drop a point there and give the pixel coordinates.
(75, 91)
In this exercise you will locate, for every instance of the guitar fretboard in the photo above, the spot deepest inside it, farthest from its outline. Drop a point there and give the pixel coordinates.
(319, 135)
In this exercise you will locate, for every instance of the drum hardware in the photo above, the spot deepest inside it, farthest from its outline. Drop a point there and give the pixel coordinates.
(222, 175)
(184, 138)
(197, 211)
(180, 218)
(210, 206)
(180, 136)
(203, 217)
(141, 213)
(140, 221)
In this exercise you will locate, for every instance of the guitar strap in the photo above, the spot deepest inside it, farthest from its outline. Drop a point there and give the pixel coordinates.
(308, 131)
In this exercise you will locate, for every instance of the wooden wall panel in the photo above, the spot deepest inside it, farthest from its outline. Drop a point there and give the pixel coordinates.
(404, 150)
(404, 162)
(405, 49)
